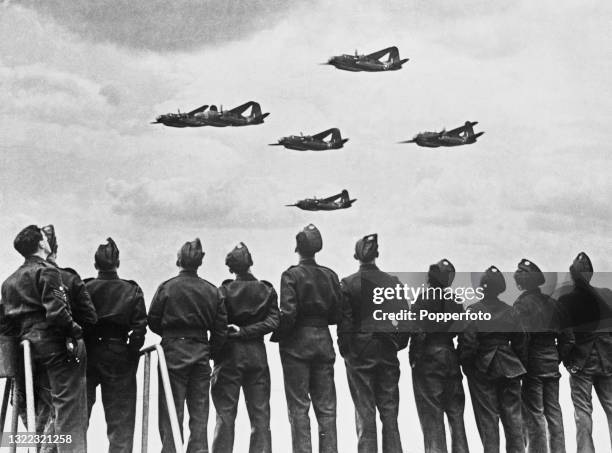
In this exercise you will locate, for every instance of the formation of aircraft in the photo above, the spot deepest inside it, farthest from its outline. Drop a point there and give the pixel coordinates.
(338, 201)
(369, 63)
(315, 142)
(211, 116)
(463, 135)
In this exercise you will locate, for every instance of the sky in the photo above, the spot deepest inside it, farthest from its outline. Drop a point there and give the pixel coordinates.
(81, 81)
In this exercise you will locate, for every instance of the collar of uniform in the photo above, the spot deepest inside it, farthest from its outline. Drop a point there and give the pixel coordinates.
(368, 267)
(308, 261)
(34, 259)
(532, 291)
(108, 275)
(246, 277)
(189, 272)
(492, 301)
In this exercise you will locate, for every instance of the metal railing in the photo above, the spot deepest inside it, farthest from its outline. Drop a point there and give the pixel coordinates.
(10, 387)
(165, 378)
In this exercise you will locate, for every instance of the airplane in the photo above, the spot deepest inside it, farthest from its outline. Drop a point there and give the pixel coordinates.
(463, 135)
(339, 201)
(211, 116)
(315, 142)
(369, 63)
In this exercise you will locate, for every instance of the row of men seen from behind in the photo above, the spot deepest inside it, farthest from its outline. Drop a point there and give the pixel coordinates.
(88, 333)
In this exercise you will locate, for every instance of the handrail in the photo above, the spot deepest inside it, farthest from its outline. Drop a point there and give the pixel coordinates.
(163, 368)
(10, 387)
(29, 386)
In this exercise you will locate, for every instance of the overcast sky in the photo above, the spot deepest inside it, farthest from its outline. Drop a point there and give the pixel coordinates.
(80, 82)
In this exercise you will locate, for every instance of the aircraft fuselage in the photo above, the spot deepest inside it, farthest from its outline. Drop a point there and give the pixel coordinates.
(306, 144)
(436, 140)
(357, 64)
(315, 205)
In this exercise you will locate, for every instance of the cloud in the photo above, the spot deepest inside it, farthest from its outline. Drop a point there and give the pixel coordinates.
(165, 26)
(112, 94)
(179, 201)
(52, 96)
(579, 200)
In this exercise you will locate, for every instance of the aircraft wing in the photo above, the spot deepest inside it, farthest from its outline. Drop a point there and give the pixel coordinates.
(456, 131)
(332, 198)
(241, 108)
(198, 110)
(322, 135)
(392, 51)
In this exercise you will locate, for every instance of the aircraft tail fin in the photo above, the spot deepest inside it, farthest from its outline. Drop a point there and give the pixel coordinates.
(255, 110)
(344, 196)
(469, 128)
(475, 136)
(336, 136)
(393, 55)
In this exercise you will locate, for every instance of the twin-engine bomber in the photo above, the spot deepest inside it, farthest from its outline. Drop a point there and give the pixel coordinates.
(463, 135)
(338, 201)
(315, 142)
(211, 116)
(370, 62)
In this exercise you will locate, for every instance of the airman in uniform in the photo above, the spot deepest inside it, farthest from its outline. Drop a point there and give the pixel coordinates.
(589, 355)
(436, 374)
(252, 312)
(310, 301)
(494, 355)
(540, 316)
(84, 314)
(113, 346)
(370, 353)
(183, 311)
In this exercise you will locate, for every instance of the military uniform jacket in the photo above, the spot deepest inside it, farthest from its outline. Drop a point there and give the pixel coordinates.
(83, 310)
(540, 316)
(120, 306)
(430, 335)
(252, 305)
(587, 344)
(498, 347)
(33, 295)
(309, 297)
(366, 340)
(188, 306)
